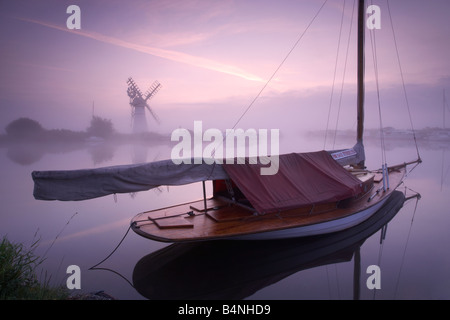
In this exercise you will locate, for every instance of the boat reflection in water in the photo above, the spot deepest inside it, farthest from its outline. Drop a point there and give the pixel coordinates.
(229, 269)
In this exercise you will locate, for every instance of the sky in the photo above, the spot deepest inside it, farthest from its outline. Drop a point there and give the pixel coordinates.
(213, 58)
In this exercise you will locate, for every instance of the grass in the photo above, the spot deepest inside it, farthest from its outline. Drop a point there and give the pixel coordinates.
(18, 279)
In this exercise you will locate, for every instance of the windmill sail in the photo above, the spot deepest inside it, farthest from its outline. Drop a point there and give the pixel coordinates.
(138, 103)
(153, 114)
(156, 86)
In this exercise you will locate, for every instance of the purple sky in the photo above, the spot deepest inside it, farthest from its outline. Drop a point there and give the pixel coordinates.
(212, 58)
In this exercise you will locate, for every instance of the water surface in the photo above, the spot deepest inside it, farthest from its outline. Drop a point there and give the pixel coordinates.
(413, 257)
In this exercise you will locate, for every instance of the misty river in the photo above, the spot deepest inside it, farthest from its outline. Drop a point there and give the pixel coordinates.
(413, 256)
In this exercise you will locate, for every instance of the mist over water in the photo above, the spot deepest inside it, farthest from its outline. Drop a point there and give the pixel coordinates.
(212, 59)
(412, 257)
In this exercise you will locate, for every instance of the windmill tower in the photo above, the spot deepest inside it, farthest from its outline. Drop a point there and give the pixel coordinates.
(139, 102)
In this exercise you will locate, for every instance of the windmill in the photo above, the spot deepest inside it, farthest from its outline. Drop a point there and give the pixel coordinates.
(138, 103)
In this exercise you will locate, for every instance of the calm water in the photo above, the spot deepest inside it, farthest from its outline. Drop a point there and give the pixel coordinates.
(413, 257)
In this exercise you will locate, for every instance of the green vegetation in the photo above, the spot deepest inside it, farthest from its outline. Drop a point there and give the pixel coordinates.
(100, 127)
(18, 278)
(29, 130)
(23, 128)
(26, 131)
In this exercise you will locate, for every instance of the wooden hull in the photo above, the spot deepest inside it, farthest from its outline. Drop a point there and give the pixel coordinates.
(222, 220)
(246, 267)
(317, 228)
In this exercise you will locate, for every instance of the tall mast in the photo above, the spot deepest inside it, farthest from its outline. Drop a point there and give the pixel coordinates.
(360, 97)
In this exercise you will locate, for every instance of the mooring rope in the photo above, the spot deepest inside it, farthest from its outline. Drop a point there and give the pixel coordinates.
(115, 249)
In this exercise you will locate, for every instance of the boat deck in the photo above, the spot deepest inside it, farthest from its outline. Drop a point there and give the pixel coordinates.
(222, 219)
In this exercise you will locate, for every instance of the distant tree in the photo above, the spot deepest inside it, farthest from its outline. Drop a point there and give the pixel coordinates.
(24, 128)
(65, 135)
(100, 127)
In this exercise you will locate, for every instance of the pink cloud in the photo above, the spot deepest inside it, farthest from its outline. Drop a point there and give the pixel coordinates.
(162, 53)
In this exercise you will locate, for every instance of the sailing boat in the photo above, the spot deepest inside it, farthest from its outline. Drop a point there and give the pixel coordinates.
(312, 193)
(238, 269)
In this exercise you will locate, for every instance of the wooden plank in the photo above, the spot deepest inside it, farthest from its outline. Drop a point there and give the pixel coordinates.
(210, 204)
(172, 211)
(378, 177)
(203, 226)
(173, 222)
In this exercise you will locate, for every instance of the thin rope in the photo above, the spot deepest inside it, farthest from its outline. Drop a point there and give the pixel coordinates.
(410, 170)
(280, 65)
(334, 76)
(115, 249)
(444, 176)
(380, 251)
(446, 102)
(403, 80)
(443, 111)
(343, 75)
(380, 117)
(338, 286)
(269, 80)
(406, 246)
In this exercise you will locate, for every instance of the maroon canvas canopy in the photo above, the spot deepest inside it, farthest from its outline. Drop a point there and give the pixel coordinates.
(302, 179)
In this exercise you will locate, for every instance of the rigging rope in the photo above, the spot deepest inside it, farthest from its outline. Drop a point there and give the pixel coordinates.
(334, 76)
(445, 102)
(270, 78)
(403, 80)
(280, 65)
(375, 66)
(343, 75)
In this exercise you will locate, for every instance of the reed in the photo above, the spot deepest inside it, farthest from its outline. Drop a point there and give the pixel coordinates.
(18, 279)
